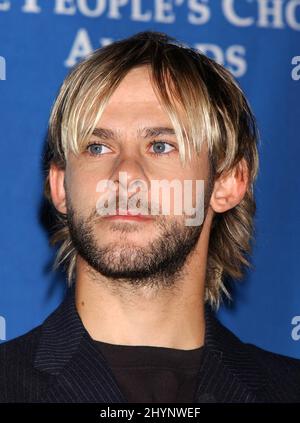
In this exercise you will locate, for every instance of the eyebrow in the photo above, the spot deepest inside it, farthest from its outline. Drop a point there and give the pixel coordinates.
(147, 132)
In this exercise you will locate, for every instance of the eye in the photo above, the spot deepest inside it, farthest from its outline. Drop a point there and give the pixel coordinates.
(97, 149)
(162, 147)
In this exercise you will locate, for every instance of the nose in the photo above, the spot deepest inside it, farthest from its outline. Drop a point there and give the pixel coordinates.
(129, 173)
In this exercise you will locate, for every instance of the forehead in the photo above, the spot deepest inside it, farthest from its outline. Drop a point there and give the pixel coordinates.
(136, 86)
(135, 99)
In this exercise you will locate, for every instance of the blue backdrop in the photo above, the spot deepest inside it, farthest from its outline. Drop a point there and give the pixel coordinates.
(258, 41)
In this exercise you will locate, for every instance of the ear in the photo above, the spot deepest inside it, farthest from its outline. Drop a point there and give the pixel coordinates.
(58, 194)
(229, 189)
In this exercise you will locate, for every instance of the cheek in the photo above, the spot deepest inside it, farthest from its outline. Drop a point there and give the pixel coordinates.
(82, 193)
(196, 185)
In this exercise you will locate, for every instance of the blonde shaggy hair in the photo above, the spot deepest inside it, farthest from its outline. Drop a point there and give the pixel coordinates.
(213, 110)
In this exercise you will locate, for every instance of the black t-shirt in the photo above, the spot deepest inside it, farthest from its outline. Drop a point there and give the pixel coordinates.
(153, 374)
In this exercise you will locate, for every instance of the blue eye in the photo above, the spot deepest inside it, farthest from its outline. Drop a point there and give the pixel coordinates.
(96, 149)
(160, 147)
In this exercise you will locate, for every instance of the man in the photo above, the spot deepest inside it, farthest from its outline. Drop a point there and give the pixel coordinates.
(137, 323)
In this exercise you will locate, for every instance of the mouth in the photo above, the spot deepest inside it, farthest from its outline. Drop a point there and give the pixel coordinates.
(129, 216)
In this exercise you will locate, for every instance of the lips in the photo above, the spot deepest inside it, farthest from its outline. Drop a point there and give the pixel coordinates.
(129, 213)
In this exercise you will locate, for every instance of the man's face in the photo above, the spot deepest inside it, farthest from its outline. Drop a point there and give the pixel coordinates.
(140, 250)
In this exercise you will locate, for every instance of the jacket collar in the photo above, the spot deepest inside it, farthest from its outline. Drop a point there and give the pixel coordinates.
(80, 373)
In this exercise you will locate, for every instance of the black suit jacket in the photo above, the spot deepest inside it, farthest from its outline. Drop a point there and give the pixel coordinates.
(58, 362)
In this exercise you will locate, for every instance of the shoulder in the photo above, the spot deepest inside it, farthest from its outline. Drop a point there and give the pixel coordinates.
(21, 379)
(269, 376)
(16, 365)
(278, 366)
(23, 346)
(279, 374)
(19, 351)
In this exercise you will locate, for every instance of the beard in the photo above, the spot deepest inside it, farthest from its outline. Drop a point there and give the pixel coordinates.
(157, 265)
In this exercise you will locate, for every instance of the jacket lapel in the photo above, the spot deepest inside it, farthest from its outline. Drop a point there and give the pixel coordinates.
(227, 373)
(80, 373)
